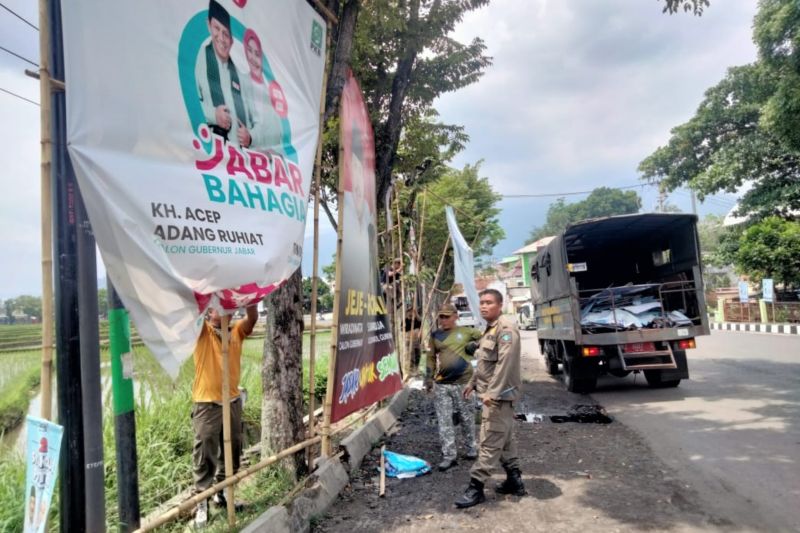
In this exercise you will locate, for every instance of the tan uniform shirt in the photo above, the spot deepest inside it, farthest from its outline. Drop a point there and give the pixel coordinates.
(498, 373)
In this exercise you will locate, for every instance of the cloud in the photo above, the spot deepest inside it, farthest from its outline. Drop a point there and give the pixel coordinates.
(580, 92)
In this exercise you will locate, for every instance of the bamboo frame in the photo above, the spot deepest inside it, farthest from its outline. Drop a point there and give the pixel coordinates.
(328, 406)
(46, 211)
(312, 349)
(188, 504)
(226, 418)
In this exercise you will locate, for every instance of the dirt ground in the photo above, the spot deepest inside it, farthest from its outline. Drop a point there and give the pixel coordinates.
(580, 477)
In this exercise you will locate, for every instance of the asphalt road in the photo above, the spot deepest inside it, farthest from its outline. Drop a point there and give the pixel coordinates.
(732, 431)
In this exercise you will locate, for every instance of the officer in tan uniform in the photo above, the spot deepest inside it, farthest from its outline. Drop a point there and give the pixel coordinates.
(498, 384)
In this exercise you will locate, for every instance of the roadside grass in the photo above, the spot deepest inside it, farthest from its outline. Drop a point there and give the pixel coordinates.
(20, 374)
(164, 438)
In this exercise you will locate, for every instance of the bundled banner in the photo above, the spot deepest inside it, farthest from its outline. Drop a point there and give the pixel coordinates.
(464, 266)
(41, 455)
(367, 369)
(192, 127)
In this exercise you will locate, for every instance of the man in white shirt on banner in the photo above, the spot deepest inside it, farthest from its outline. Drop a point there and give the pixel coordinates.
(218, 82)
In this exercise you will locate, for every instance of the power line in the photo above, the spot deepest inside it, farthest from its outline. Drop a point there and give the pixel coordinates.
(18, 96)
(4, 49)
(20, 17)
(574, 193)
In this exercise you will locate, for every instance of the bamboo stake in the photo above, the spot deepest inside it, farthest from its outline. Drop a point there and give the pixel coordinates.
(226, 418)
(382, 489)
(328, 406)
(47, 213)
(312, 349)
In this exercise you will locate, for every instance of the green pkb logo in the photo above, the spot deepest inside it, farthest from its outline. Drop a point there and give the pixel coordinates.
(316, 37)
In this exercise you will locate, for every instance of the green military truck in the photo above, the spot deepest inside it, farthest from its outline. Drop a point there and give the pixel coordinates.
(618, 295)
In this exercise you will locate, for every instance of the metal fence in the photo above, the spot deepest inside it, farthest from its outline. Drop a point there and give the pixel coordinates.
(778, 312)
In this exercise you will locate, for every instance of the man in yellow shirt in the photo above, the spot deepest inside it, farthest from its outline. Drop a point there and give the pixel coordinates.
(208, 455)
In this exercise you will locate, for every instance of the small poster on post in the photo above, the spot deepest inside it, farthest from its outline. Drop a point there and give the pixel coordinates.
(768, 290)
(41, 456)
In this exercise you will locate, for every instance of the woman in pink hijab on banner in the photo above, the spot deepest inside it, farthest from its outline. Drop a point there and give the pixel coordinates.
(266, 101)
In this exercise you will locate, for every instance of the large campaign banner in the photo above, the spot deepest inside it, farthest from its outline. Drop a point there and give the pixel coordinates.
(367, 369)
(41, 458)
(192, 128)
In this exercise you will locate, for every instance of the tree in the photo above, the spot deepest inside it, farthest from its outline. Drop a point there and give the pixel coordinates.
(324, 296)
(30, 305)
(695, 6)
(747, 128)
(602, 202)
(475, 205)
(404, 58)
(282, 374)
(102, 301)
(771, 249)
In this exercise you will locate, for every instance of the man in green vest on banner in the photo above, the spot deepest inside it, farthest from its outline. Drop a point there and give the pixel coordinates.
(218, 83)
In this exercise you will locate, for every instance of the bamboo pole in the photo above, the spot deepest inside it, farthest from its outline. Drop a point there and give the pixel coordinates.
(328, 406)
(312, 349)
(402, 316)
(226, 417)
(47, 213)
(417, 258)
(436, 279)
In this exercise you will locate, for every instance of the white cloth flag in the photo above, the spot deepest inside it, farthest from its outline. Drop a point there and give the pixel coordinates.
(192, 127)
(464, 266)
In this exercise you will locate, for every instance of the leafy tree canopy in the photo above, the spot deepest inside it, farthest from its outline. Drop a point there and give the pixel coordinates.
(695, 6)
(475, 205)
(602, 202)
(747, 128)
(771, 249)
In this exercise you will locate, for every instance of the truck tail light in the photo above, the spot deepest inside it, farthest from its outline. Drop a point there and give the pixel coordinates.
(592, 351)
(686, 344)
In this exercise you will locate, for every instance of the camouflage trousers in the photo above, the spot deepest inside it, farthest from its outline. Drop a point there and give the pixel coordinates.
(448, 401)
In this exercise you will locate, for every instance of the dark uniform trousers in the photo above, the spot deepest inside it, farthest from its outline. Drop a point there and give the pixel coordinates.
(497, 444)
(208, 456)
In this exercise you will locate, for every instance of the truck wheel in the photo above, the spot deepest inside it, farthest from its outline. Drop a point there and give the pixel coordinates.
(655, 380)
(551, 358)
(578, 385)
(552, 367)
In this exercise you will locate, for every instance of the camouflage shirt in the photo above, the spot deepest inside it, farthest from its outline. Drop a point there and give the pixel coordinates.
(446, 360)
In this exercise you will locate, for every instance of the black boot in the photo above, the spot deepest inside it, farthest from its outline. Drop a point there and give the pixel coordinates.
(512, 484)
(472, 496)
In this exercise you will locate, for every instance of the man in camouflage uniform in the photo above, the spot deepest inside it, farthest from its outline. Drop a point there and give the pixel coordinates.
(497, 382)
(448, 369)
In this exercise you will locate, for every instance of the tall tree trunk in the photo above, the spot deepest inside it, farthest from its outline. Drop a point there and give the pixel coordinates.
(282, 374)
(389, 135)
(344, 36)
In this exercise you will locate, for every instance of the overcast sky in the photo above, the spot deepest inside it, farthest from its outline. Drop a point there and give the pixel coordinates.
(580, 91)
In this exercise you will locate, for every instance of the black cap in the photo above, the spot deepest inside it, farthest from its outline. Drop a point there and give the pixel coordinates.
(216, 11)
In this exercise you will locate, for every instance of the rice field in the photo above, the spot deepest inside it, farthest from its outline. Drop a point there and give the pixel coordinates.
(163, 429)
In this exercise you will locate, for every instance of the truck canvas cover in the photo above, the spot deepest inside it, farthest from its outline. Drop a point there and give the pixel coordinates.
(616, 251)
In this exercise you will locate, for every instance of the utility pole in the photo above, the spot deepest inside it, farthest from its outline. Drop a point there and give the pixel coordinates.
(694, 200)
(119, 340)
(72, 478)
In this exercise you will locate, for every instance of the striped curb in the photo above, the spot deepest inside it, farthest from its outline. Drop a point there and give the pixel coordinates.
(779, 329)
